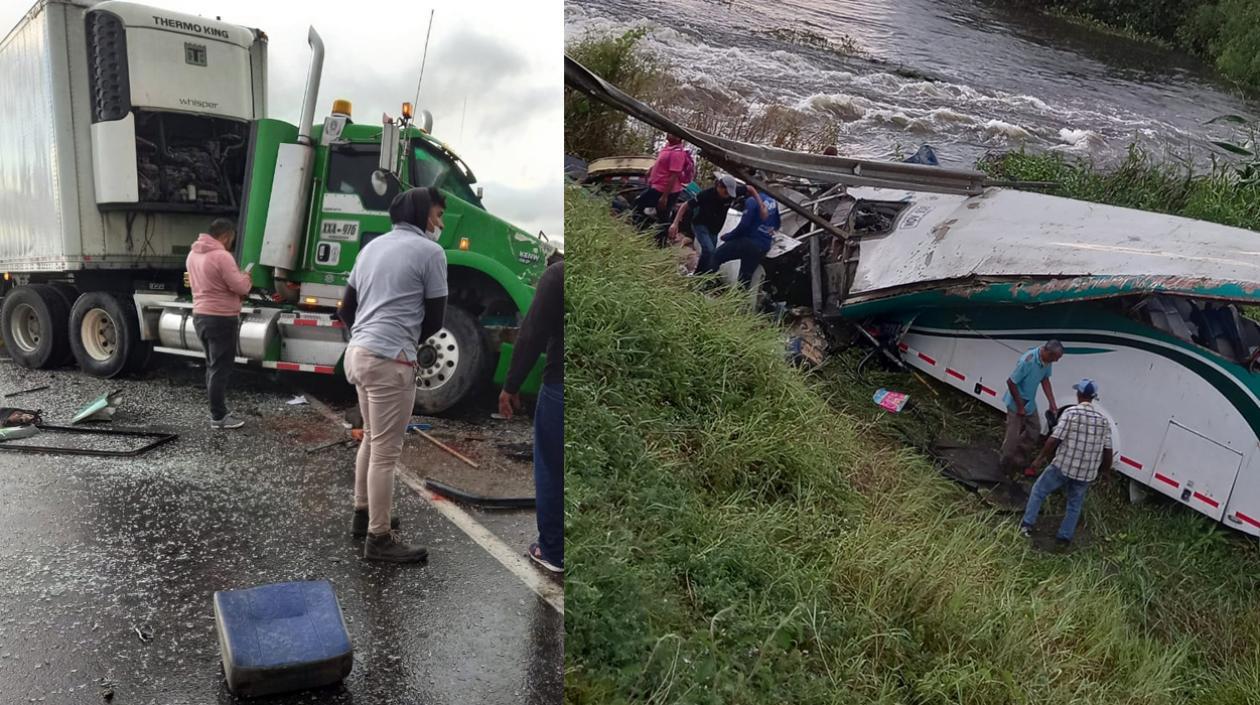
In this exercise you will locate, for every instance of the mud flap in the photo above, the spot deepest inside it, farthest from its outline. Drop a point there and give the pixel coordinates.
(533, 381)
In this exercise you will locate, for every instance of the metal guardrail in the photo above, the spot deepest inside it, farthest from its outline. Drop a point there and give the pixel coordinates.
(820, 167)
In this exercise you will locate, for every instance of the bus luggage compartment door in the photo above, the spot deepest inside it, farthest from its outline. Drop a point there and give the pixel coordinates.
(1195, 470)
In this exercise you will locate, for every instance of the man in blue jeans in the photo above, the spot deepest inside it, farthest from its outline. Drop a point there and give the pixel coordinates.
(751, 239)
(707, 213)
(1081, 446)
(543, 328)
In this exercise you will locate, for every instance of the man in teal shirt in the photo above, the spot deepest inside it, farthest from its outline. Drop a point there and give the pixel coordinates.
(1023, 427)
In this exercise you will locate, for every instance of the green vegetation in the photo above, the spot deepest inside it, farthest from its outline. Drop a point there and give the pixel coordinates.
(740, 533)
(593, 130)
(1225, 32)
(1222, 195)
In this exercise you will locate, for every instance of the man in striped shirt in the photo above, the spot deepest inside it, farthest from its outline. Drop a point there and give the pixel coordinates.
(1080, 445)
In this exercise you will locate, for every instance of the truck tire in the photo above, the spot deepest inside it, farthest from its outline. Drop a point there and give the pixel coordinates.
(34, 321)
(104, 333)
(454, 364)
(68, 294)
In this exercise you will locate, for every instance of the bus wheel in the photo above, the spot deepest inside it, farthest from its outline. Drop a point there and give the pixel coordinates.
(452, 364)
(33, 323)
(104, 333)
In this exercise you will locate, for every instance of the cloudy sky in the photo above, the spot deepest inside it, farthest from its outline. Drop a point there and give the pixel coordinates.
(503, 60)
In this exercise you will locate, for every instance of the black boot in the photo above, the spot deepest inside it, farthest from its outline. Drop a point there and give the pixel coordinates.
(359, 527)
(387, 547)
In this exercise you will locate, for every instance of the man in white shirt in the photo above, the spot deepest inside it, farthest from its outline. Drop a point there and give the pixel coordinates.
(395, 298)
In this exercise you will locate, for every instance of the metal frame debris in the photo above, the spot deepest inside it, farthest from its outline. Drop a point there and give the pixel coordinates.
(159, 438)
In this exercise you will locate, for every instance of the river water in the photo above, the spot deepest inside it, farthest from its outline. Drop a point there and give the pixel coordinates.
(967, 77)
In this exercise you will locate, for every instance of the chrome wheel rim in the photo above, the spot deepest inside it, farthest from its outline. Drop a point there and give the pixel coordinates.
(437, 361)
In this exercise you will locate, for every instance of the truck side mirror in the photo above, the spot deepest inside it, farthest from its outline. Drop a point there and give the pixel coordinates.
(382, 180)
(481, 192)
(389, 147)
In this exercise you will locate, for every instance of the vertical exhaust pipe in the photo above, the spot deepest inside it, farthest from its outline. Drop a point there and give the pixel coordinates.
(291, 188)
(307, 123)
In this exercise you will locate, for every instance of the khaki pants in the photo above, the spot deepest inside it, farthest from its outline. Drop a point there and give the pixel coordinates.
(1022, 434)
(387, 393)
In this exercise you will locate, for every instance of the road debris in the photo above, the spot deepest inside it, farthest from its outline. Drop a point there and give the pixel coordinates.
(101, 408)
(282, 637)
(299, 400)
(27, 391)
(463, 497)
(448, 449)
(13, 433)
(892, 402)
(155, 439)
(523, 452)
(332, 444)
(20, 417)
(145, 632)
(105, 687)
(806, 343)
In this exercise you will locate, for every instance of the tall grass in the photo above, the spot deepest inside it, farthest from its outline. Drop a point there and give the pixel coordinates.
(739, 533)
(1142, 182)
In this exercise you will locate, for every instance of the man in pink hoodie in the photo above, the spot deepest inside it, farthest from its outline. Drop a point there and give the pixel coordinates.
(217, 288)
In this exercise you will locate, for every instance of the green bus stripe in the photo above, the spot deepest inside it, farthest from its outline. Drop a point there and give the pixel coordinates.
(1233, 388)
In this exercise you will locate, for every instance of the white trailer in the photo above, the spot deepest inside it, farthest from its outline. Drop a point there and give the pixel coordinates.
(123, 131)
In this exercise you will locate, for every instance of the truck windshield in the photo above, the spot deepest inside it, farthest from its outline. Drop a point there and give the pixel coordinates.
(432, 168)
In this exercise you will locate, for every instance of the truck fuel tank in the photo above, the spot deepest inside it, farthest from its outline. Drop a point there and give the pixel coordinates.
(258, 331)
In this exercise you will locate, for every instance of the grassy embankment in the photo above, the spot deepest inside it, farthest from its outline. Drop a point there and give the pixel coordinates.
(740, 533)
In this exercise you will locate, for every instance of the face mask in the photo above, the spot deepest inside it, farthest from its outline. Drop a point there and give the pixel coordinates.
(434, 234)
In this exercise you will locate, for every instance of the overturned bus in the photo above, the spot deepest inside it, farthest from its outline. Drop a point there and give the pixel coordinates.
(959, 276)
(1152, 306)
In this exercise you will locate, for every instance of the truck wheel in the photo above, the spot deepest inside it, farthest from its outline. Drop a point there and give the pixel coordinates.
(453, 364)
(34, 325)
(104, 333)
(68, 294)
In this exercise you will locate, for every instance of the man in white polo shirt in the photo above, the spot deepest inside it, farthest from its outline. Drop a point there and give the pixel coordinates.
(395, 298)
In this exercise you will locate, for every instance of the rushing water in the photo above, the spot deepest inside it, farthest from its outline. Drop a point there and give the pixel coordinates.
(967, 77)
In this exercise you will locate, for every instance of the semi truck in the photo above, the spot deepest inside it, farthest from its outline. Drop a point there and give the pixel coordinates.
(126, 129)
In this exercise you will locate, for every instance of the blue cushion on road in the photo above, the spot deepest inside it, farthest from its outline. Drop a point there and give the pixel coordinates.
(282, 637)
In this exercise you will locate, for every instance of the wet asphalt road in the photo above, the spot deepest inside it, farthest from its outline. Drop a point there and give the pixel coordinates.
(109, 565)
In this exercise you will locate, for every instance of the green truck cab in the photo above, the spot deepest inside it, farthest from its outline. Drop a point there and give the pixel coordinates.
(493, 265)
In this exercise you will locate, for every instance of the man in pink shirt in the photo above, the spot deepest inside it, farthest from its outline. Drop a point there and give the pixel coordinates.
(673, 170)
(217, 288)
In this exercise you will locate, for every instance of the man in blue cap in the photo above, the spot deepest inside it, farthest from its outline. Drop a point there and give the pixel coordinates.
(1081, 446)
